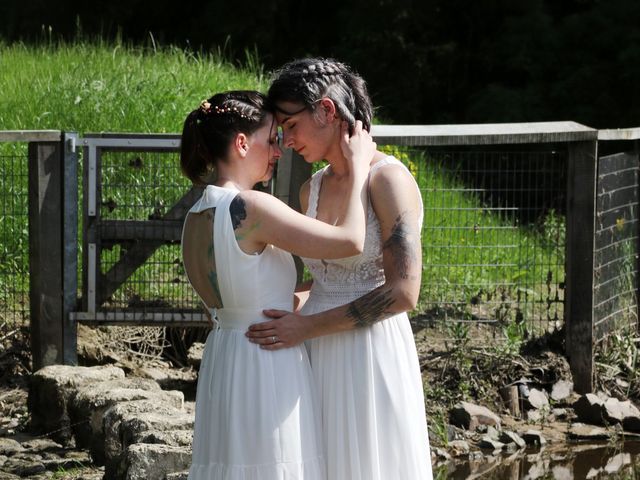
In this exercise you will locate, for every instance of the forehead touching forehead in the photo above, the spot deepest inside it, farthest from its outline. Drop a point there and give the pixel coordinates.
(286, 109)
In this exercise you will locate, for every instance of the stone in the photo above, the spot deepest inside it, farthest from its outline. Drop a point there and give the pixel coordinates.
(9, 446)
(155, 461)
(470, 416)
(50, 391)
(538, 399)
(615, 411)
(581, 431)
(178, 475)
(125, 422)
(488, 443)
(458, 448)
(534, 438)
(590, 409)
(90, 403)
(508, 437)
(176, 438)
(617, 462)
(170, 378)
(194, 354)
(631, 424)
(560, 472)
(42, 445)
(561, 390)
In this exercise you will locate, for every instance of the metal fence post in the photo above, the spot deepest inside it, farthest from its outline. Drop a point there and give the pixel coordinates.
(52, 250)
(581, 202)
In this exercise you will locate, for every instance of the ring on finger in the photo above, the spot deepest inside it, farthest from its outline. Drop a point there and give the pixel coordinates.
(274, 339)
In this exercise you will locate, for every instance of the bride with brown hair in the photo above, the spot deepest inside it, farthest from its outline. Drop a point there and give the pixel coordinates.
(257, 417)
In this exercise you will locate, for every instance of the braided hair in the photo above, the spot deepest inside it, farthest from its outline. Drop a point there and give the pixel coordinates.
(307, 80)
(209, 130)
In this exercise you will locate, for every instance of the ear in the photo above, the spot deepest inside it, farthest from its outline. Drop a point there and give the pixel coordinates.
(241, 144)
(328, 109)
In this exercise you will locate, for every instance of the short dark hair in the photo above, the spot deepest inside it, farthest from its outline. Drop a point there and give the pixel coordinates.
(307, 80)
(209, 129)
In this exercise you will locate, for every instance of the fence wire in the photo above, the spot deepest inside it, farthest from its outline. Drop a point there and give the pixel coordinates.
(493, 236)
(145, 186)
(14, 244)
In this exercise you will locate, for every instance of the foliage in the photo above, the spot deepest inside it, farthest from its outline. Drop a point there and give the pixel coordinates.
(435, 61)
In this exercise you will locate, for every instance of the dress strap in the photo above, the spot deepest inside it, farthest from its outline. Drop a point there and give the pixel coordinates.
(314, 193)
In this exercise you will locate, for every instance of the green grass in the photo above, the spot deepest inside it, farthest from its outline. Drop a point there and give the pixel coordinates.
(88, 87)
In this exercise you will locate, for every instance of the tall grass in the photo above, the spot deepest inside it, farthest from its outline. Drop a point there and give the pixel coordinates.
(95, 87)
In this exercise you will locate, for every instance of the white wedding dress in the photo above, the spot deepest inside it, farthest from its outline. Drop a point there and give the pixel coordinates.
(256, 413)
(368, 379)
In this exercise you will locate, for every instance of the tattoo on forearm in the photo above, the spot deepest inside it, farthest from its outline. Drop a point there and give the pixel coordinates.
(238, 211)
(371, 308)
(401, 245)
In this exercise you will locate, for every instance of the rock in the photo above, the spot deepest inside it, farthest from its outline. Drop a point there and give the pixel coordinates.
(534, 437)
(590, 409)
(124, 423)
(631, 424)
(538, 399)
(616, 463)
(560, 472)
(615, 411)
(580, 431)
(91, 401)
(441, 453)
(458, 448)
(154, 462)
(560, 413)
(42, 445)
(488, 443)
(508, 437)
(470, 416)
(535, 416)
(194, 354)
(561, 390)
(178, 475)
(175, 438)
(51, 389)
(10, 447)
(170, 378)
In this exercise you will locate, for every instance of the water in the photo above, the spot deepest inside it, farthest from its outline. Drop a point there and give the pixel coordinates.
(567, 462)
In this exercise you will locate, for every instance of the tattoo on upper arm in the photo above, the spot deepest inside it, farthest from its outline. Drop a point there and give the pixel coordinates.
(238, 211)
(401, 245)
(371, 308)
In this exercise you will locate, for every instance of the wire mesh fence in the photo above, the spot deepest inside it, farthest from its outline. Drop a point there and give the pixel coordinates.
(144, 186)
(14, 243)
(493, 235)
(616, 244)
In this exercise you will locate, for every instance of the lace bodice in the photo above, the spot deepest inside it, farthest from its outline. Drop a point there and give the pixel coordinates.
(351, 277)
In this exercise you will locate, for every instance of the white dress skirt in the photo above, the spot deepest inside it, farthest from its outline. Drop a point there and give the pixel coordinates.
(369, 382)
(256, 416)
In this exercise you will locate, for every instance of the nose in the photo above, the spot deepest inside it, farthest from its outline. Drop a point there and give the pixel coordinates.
(287, 139)
(277, 151)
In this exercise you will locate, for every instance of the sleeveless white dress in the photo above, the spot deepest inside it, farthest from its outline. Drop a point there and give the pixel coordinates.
(368, 379)
(256, 413)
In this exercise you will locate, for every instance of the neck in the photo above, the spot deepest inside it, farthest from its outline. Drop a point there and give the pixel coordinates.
(228, 177)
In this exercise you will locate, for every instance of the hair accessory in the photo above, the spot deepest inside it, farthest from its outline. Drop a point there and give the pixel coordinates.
(205, 106)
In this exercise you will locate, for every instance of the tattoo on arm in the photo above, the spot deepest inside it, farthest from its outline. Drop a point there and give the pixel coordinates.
(371, 308)
(401, 246)
(238, 211)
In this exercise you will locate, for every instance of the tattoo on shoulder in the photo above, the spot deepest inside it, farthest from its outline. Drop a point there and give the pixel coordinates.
(402, 246)
(238, 211)
(370, 308)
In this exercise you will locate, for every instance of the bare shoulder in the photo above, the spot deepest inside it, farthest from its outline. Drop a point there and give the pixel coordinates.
(390, 179)
(305, 191)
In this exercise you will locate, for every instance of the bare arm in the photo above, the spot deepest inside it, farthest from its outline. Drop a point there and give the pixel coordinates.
(397, 204)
